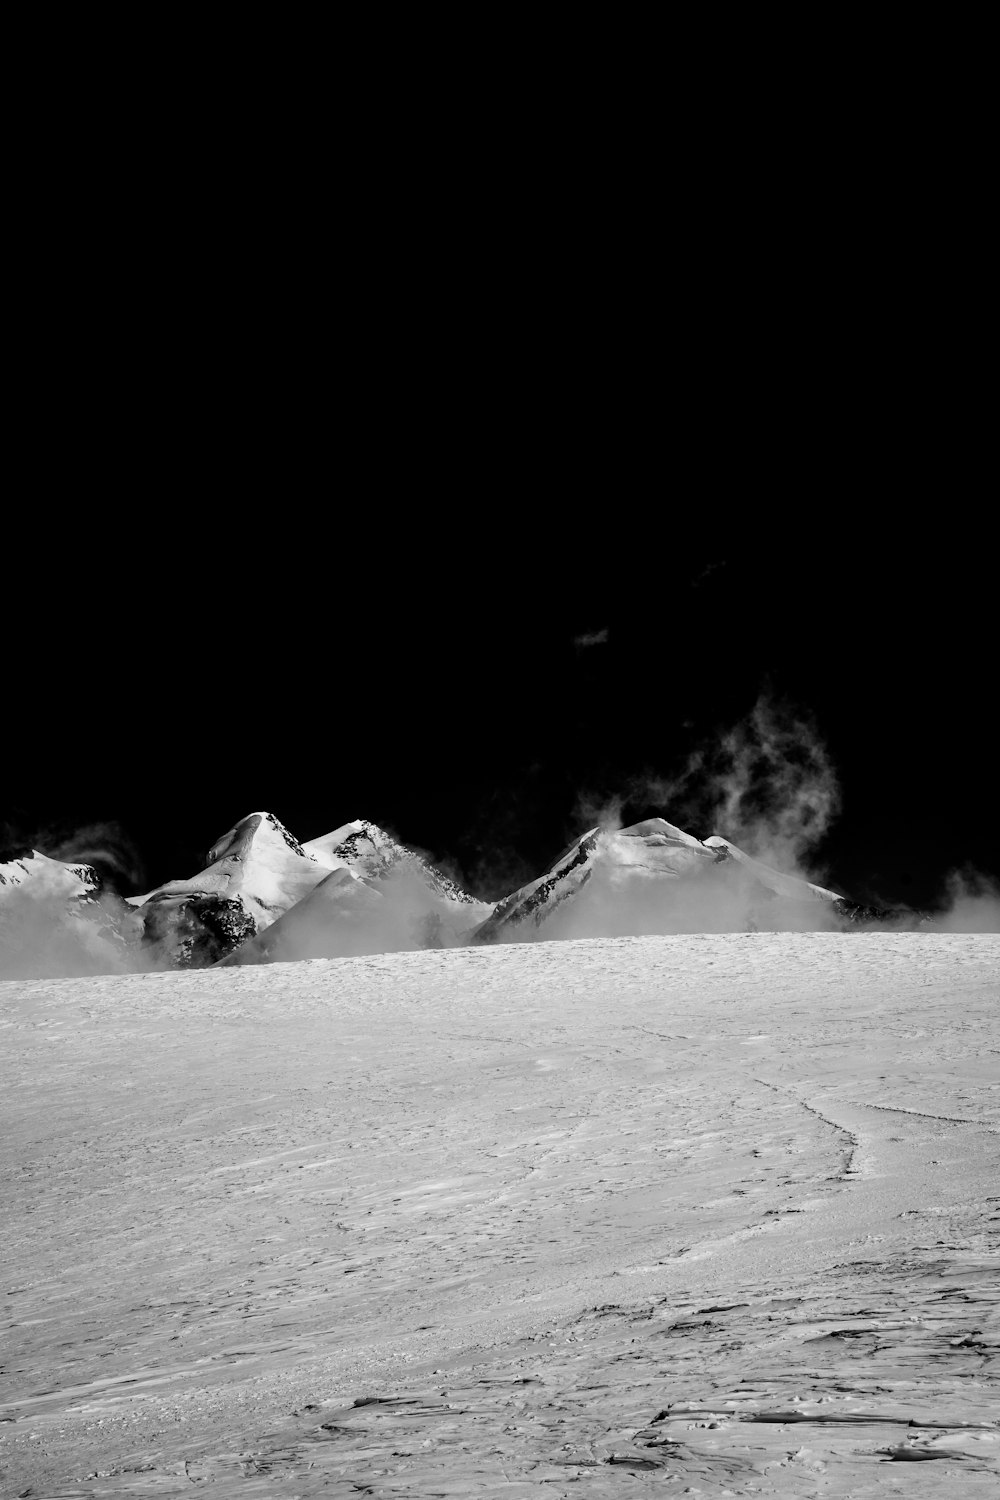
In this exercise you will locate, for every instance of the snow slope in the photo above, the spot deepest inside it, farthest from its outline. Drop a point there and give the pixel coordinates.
(788, 886)
(715, 1214)
(341, 917)
(257, 860)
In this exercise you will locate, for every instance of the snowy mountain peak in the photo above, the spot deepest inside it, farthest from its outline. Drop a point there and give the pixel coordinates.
(371, 893)
(376, 896)
(265, 897)
(367, 850)
(255, 872)
(649, 850)
(38, 875)
(258, 860)
(658, 831)
(654, 877)
(257, 831)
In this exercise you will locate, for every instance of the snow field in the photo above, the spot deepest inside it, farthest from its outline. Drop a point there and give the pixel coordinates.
(720, 1211)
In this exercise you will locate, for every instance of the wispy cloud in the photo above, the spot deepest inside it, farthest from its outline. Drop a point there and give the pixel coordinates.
(591, 638)
(706, 572)
(768, 783)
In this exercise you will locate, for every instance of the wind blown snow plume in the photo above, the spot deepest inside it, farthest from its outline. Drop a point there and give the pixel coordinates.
(103, 844)
(766, 791)
(971, 904)
(55, 922)
(766, 788)
(61, 914)
(768, 783)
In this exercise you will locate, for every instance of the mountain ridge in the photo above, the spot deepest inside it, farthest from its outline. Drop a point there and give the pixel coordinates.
(263, 896)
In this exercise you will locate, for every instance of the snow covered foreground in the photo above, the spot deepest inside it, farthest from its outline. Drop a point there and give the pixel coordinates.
(716, 1214)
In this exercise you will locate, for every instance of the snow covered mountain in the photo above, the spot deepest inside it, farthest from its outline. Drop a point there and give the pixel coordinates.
(264, 897)
(52, 921)
(355, 890)
(253, 874)
(38, 875)
(378, 897)
(654, 878)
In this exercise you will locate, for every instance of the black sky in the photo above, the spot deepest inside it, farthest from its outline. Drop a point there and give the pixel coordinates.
(315, 521)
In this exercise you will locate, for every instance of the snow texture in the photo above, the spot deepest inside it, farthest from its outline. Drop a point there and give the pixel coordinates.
(713, 1214)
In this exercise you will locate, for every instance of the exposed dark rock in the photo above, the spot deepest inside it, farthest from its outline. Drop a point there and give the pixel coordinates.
(191, 932)
(864, 914)
(546, 896)
(371, 853)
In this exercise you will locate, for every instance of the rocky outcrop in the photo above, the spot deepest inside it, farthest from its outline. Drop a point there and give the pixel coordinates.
(534, 902)
(193, 932)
